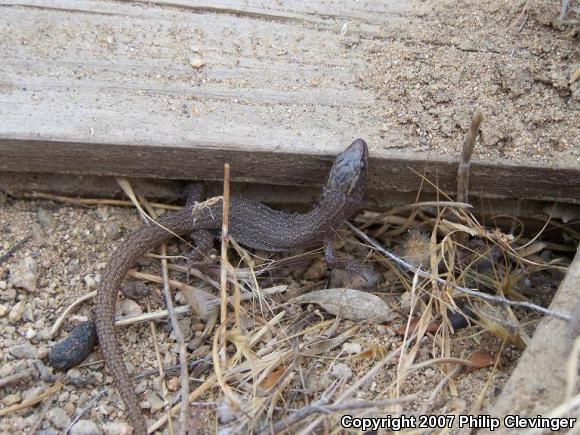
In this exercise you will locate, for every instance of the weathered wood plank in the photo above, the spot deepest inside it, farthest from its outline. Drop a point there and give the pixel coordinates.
(204, 161)
(117, 88)
(538, 384)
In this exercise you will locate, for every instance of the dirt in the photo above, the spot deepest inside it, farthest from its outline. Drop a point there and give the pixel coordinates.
(448, 60)
(68, 248)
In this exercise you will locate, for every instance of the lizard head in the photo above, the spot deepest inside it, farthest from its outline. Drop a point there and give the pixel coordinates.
(349, 172)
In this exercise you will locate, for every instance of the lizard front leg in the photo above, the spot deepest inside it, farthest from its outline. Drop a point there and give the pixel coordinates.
(202, 239)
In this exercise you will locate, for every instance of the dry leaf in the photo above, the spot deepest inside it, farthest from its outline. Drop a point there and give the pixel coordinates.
(432, 327)
(273, 378)
(481, 359)
(349, 304)
(373, 352)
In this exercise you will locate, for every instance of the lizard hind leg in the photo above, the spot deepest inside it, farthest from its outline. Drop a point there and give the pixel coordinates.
(350, 266)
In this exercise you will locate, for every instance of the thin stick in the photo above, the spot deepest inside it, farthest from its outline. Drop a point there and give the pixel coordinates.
(377, 368)
(161, 372)
(45, 407)
(93, 201)
(31, 402)
(465, 161)
(224, 261)
(183, 374)
(308, 410)
(402, 263)
(146, 317)
(82, 411)
(68, 309)
(19, 244)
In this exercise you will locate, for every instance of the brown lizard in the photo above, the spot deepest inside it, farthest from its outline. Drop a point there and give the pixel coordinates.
(251, 224)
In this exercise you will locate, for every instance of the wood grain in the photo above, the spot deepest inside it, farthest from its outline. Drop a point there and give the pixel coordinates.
(175, 88)
(538, 383)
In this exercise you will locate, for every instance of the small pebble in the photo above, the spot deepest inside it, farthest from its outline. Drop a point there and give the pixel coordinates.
(135, 290)
(85, 427)
(58, 417)
(316, 271)
(117, 428)
(25, 274)
(69, 408)
(340, 278)
(130, 308)
(16, 312)
(90, 282)
(11, 399)
(141, 387)
(74, 266)
(45, 218)
(352, 348)
(112, 231)
(155, 402)
(341, 371)
(173, 384)
(25, 350)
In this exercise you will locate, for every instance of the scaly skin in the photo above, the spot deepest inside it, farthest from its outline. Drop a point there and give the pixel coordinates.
(251, 224)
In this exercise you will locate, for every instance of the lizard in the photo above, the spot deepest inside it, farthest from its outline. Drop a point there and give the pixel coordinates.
(251, 224)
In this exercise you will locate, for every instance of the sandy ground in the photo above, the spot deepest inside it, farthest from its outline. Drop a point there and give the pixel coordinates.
(450, 59)
(64, 259)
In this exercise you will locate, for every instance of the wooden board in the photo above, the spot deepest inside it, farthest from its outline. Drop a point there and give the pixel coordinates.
(173, 89)
(538, 383)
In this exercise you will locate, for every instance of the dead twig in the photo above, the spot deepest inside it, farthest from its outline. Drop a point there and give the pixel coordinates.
(497, 299)
(160, 370)
(16, 378)
(68, 310)
(301, 414)
(224, 260)
(31, 402)
(184, 374)
(83, 410)
(19, 244)
(43, 411)
(465, 161)
(93, 201)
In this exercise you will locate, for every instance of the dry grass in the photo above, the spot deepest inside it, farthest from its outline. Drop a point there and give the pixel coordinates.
(268, 352)
(264, 350)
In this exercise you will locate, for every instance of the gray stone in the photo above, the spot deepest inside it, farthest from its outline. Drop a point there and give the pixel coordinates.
(25, 274)
(25, 350)
(58, 417)
(117, 428)
(85, 427)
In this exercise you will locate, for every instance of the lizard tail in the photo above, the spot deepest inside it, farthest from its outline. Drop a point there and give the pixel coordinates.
(117, 267)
